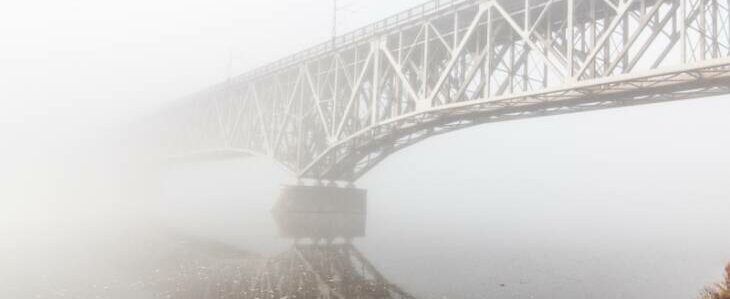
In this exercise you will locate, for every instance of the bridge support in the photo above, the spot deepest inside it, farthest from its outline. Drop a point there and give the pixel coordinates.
(321, 213)
(323, 267)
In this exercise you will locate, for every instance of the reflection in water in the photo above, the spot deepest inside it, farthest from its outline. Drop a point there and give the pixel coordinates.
(322, 268)
(210, 270)
(323, 271)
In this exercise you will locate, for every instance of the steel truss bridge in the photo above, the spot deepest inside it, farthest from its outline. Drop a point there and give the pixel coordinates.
(334, 111)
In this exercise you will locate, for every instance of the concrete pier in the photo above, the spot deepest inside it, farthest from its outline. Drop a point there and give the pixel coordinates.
(321, 212)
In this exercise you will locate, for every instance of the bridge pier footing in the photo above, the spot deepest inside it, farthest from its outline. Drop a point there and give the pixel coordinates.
(321, 213)
(329, 266)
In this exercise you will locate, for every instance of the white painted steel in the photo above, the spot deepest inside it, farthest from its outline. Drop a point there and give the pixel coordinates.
(334, 111)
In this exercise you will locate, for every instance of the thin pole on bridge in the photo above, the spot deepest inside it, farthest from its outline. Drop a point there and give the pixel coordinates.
(334, 22)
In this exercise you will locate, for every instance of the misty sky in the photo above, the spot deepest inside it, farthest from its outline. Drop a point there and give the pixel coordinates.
(71, 70)
(617, 189)
(108, 58)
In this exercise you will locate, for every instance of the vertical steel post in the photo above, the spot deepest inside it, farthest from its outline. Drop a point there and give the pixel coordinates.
(488, 63)
(683, 28)
(376, 81)
(570, 15)
(525, 70)
(424, 66)
(703, 30)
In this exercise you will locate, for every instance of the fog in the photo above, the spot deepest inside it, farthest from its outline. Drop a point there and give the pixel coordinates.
(622, 203)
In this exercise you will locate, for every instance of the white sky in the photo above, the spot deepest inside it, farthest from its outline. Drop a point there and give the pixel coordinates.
(101, 59)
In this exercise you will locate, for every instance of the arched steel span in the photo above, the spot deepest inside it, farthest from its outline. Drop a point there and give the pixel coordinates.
(334, 111)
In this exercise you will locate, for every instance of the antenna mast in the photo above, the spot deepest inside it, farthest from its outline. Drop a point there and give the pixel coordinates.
(334, 22)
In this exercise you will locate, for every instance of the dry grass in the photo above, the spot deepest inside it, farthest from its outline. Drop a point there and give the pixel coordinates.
(720, 290)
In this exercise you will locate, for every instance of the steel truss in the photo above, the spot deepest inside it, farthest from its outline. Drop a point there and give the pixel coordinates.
(334, 111)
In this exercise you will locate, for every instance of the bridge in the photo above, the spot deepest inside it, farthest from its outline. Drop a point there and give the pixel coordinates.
(334, 111)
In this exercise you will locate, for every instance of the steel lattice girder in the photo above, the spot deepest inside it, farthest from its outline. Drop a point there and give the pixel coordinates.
(334, 111)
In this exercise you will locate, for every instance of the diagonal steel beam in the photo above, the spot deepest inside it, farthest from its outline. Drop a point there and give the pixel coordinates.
(526, 38)
(457, 52)
(317, 101)
(623, 10)
(354, 93)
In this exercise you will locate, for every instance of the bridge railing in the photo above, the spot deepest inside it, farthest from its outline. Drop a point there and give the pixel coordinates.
(384, 25)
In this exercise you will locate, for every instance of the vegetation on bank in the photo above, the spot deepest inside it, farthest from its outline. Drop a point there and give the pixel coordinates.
(719, 290)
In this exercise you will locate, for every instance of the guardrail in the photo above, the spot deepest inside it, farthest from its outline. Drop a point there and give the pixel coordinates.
(384, 25)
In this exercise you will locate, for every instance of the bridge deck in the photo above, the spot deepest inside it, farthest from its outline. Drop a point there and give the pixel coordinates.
(335, 110)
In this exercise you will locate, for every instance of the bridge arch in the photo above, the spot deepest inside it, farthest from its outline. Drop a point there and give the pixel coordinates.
(334, 111)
